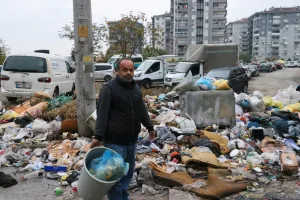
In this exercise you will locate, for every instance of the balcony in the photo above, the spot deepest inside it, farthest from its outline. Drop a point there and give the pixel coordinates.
(275, 44)
(219, 17)
(275, 34)
(218, 42)
(256, 45)
(256, 19)
(256, 28)
(219, 25)
(275, 28)
(223, 8)
(256, 35)
(218, 33)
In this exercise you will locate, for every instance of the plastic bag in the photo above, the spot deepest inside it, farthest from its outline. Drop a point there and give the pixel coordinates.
(238, 110)
(109, 167)
(239, 98)
(258, 94)
(292, 108)
(257, 105)
(186, 85)
(254, 158)
(3, 161)
(205, 83)
(268, 101)
(277, 104)
(221, 84)
(8, 115)
(9, 133)
(40, 126)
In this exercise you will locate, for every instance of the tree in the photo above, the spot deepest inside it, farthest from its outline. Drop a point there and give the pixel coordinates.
(153, 52)
(4, 50)
(131, 33)
(99, 35)
(245, 58)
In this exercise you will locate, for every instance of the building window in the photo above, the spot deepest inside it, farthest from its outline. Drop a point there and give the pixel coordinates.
(264, 21)
(262, 32)
(206, 21)
(157, 18)
(205, 37)
(194, 13)
(206, 4)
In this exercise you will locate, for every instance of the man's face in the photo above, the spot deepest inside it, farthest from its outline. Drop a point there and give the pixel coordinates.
(126, 71)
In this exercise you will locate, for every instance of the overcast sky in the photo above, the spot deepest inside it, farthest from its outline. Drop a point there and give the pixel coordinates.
(27, 25)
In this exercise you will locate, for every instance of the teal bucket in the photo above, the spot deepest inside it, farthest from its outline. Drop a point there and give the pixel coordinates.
(89, 187)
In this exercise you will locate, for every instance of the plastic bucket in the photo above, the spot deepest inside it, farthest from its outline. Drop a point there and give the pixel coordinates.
(89, 187)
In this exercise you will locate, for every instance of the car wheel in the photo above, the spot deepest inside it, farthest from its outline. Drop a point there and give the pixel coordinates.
(147, 84)
(107, 78)
(73, 90)
(12, 99)
(56, 92)
(245, 90)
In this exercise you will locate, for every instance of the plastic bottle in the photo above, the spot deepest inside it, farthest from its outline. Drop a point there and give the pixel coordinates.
(32, 175)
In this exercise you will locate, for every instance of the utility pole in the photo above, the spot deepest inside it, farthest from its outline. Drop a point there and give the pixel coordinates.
(85, 88)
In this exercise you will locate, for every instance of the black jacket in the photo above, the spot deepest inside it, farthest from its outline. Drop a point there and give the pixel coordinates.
(120, 112)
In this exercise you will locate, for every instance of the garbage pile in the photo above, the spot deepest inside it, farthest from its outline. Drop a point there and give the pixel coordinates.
(210, 162)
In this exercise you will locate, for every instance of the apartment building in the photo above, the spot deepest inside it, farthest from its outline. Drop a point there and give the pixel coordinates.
(163, 23)
(275, 33)
(196, 22)
(237, 32)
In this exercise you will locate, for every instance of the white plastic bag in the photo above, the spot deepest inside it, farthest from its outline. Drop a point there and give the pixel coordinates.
(9, 133)
(236, 144)
(3, 160)
(258, 94)
(254, 158)
(40, 126)
(257, 105)
(238, 110)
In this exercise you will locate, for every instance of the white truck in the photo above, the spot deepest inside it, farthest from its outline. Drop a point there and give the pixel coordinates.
(152, 72)
(200, 59)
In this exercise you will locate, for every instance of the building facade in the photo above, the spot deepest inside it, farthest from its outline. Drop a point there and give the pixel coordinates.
(275, 33)
(237, 32)
(196, 22)
(163, 23)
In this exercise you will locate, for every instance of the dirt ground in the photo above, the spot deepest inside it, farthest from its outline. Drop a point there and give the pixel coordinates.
(268, 83)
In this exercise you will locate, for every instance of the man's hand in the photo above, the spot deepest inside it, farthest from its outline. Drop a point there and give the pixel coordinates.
(95, 143)
(152, 135)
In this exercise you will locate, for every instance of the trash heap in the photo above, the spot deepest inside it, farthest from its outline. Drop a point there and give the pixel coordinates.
(37, 138)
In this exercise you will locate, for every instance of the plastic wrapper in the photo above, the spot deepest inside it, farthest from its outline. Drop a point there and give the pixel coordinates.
(239, 98)
(3, 161)
(292, 108)
(254, 158)
(221, 84)
(205, 83)
(8, 115)
(9, 133)
(109, 167)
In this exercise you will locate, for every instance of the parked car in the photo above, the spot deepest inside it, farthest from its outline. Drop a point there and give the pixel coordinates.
(297, 63)
(253, 69)
(279, 65)
(24, 74)
(291, 64)
(265, 67)
(273, 66)
(236, 76)
(247, 70)
(104, 72)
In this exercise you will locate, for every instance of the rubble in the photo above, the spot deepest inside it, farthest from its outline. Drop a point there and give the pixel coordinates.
(211, 163)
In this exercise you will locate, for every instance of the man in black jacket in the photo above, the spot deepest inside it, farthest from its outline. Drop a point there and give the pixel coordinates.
(120, 112)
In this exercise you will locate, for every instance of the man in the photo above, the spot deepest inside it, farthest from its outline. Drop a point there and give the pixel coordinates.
(120, 112)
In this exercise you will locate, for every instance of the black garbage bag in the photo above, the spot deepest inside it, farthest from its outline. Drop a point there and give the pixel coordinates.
(7, 180)
(286, 115)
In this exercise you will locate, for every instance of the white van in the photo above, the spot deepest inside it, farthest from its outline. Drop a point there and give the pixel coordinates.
(22, 75)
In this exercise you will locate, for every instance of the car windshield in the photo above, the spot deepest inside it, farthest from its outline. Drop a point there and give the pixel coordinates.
(145, 65)
(25, 64)
(221, 73)
(182, 67)
(113, 60)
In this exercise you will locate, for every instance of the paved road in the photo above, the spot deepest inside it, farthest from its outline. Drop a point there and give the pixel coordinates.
(270, 83)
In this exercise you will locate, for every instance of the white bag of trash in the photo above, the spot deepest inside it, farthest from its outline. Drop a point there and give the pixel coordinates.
(254, 158)
(40, 126)
(258, 94)
(257, 105)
